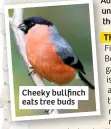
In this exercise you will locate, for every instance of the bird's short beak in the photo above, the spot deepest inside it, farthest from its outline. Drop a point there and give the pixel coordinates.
(22, 27)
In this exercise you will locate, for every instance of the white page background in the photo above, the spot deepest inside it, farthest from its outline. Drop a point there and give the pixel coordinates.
(1, 61)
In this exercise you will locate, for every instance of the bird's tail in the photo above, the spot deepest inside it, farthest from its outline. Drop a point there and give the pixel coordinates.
(86, 82)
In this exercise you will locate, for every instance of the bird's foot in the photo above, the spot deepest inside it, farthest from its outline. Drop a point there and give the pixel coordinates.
(31, 71)
(30, 67)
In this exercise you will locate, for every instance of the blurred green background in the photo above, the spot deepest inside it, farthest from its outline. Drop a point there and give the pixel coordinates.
(73, 24)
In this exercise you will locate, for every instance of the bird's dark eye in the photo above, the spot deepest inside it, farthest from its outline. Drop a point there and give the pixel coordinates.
(32, 23)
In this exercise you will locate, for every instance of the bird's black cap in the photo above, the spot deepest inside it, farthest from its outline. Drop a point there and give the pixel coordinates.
(32, 21)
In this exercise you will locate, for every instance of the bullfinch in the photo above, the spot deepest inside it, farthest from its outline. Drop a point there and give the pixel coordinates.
(49, 53)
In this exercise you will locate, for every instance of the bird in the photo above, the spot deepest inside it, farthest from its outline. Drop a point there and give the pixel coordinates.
(49, 53)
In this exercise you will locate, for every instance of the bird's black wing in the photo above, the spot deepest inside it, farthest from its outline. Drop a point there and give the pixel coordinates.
(64, 50)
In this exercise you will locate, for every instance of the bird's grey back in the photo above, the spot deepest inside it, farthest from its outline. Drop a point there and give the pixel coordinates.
(63, 49)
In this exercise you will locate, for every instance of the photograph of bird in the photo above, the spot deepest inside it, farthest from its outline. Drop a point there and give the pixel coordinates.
(49, 53)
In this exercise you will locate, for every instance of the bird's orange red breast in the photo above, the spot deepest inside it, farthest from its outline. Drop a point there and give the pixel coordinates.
(43, 57)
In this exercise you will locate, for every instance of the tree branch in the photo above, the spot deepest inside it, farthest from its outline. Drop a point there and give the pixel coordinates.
(19, 36)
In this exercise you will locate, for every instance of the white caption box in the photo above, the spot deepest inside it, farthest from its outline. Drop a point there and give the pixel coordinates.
(51, 97)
